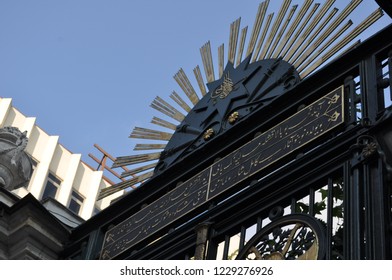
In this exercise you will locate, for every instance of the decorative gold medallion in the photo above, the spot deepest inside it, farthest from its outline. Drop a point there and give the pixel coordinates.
(208, 134)
(233, 117)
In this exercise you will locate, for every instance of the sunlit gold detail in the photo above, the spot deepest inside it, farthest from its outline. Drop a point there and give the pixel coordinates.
(163, 123)
(174, 96)
(242, 44)
(341, 44)
(296, 50)
(275, 26)
(224, 89)
(233, 117)
(138, 170)
(279, 35)
(298, 37)
(144, 147)
(233, 40)
(128, 160)
(123, 185)
(257, 26)
(262, 38)
(206, 56)
(274, 256)
(183, 81)
(293, 27)
(221, 58)
(200, 80)
(165, 108)
(145, 133)
(209, 134)
(312, 253)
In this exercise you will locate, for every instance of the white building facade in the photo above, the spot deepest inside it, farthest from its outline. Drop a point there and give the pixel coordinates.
(58, 173)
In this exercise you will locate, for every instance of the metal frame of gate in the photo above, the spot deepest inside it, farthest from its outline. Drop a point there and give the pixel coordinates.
(352, 162)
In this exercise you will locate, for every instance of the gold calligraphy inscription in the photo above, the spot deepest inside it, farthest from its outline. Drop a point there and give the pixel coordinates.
(155, 216)
(278, 142)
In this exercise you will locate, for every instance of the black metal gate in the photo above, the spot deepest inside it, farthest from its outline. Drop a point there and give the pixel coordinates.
(330, 198)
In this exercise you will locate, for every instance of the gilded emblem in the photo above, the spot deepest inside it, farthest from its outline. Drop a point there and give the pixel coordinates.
(224, 89)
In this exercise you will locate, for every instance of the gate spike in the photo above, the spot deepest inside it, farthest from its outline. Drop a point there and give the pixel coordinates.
(311, 26)
(257, 26)
(165, 108)
(346, 40)
(286, 53)
(200, 80)
(221, 59)
(123, 185)
(262, 38)
(206, 56)
(134, 159)
(137, 170)
(180, 101)
(242, 44)
(145, 133)
(281, 31)
(304, 9)
(305, 50)
(144, 147)
(163, 123)
(183, 81)
(275, 26)
(316, 50)
(233, 41)
(332, 27)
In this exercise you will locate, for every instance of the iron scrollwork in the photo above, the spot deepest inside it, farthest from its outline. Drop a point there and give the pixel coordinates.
(291, 237)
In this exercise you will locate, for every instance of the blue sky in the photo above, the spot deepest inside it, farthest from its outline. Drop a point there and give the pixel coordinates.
(89, 69)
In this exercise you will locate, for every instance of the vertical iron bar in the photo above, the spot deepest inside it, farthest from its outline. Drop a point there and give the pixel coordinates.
(259, 223)
(389, 74)
(372, 97)
(226, 247)
(375, 211)
(293, 204)
(311, 202)
(349, 88)
(329, 218)
(242, 238)
(354, 203)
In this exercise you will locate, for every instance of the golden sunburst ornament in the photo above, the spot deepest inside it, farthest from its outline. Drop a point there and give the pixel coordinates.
(294, 43)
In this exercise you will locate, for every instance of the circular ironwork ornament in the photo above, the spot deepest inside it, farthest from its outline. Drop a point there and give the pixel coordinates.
(291, 237)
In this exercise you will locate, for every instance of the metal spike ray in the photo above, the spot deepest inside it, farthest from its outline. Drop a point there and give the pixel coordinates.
(257, 26)
(200, 80)
(233, 40)
(180, 101)
(294, 26)
(167, 109)
(128, 160)
(221, 59)
(137, 170)
(275, 26)
(163, 123)
(341, 44)
(282, 30)
(183, 81)
(206, 56)
(242, 44)
(140, 147)
(262, 38)
(123, 185)
(152, 134)
(307, 31)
